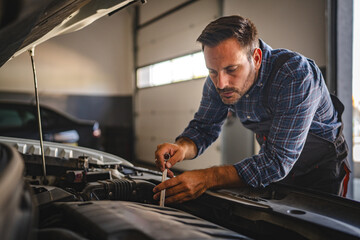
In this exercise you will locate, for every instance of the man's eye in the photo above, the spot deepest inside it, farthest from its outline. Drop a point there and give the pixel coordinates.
(231, 69)
(212, 72)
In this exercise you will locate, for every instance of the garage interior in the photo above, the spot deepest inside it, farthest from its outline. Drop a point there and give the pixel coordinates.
(92, 73)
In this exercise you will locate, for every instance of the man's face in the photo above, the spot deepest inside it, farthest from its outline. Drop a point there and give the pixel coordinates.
(231, 71)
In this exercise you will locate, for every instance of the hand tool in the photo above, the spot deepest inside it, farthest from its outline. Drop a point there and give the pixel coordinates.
(164, 174)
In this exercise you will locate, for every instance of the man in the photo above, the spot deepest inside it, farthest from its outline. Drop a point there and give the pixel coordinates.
(278, 94)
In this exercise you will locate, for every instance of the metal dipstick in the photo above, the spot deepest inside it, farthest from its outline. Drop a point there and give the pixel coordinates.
(164, 174)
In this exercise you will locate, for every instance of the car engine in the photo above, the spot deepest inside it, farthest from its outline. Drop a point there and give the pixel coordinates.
(87, 197)
(88, 194)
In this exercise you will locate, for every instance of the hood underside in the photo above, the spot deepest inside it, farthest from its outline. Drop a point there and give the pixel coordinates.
(27, 23)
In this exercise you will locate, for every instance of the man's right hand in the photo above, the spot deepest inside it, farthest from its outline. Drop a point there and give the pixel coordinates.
(182, 149)
(176, 152)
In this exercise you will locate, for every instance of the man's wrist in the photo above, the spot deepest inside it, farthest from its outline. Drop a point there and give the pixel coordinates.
(188, 146)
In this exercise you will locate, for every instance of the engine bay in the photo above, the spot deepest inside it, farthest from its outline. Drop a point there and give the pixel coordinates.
(87, 197)
(88, 194)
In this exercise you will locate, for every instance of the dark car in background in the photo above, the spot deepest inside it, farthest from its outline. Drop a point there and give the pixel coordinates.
(19, 119)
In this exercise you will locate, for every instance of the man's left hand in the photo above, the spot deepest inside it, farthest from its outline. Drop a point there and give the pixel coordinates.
(187, 186)
(190, 185)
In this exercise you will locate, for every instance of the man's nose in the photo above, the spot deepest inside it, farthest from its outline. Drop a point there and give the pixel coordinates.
(223, 81)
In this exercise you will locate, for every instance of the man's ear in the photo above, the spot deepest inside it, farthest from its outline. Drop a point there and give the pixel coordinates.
(257, 57)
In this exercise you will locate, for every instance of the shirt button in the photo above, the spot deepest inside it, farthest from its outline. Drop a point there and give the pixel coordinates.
(247, 95)
(260, 84)
(248, 117)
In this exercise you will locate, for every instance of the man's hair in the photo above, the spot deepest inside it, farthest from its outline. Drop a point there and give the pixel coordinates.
(227, 27)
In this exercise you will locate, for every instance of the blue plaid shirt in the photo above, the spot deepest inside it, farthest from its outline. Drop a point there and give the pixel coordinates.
(299, 101)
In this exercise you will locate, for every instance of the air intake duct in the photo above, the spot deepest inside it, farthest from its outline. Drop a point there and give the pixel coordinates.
(120, 189)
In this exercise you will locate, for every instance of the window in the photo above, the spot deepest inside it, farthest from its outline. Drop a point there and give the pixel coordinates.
(9, 118)
(16, 117)
(175, 70)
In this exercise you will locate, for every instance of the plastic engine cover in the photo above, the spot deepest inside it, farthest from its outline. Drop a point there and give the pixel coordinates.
(129, 220)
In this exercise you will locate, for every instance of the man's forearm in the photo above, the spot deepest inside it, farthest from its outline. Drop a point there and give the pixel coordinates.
(223, 177)
(216, 177)
(189, 147)
(191, 184)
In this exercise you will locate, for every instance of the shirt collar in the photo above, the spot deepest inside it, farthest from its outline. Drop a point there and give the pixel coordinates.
(263, 71)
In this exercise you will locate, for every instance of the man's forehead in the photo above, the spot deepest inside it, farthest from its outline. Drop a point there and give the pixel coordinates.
(224, 56)
(232, 41)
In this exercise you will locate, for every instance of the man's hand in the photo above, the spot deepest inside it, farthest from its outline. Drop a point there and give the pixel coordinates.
(184, 187)
(190, 185)
(176, 152)
(182, 149)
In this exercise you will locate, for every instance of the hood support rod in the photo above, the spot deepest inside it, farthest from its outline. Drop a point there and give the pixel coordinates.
(32, 54)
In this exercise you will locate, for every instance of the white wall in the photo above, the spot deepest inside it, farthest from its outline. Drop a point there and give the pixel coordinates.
(175, 35)
(97, 60)
(299, 25)
(152, 8)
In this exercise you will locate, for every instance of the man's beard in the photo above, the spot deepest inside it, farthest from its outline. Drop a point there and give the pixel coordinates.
(234, 98)
(237, 93)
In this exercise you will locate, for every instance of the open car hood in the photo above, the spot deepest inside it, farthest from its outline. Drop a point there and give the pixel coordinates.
(32, 22)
